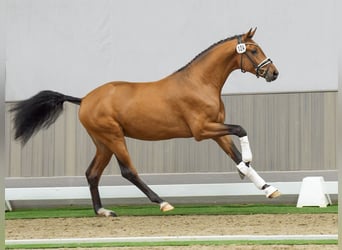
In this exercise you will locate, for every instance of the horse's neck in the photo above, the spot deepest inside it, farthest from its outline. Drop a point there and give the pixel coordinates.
(215, 66)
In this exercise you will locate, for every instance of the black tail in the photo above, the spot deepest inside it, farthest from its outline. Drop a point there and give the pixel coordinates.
(37, 112)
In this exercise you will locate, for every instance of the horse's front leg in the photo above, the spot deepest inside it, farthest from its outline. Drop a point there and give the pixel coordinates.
(226, 143)
(216, 129)
(244, 142)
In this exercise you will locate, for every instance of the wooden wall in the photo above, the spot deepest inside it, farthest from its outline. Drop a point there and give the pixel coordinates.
(287, 131)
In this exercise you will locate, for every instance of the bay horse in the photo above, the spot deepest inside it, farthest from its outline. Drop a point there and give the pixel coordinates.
(185, 104)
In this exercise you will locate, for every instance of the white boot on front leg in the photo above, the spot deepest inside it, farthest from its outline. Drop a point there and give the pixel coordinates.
(270, 191)
(245, 149)
(251, 174)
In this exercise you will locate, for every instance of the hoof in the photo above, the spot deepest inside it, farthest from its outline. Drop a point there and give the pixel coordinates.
(106, 212)
(272, 192)
(275, 194)
(165, 207)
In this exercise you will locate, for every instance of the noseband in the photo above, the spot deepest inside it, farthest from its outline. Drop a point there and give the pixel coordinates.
(241, 49)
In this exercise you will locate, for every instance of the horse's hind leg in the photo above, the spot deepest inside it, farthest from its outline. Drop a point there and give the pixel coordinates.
(226, 143)
(93, 174)
(129, 172)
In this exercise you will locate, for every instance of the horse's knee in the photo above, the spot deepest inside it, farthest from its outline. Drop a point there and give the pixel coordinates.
(238, 130)
(95, 169)
(93, 176)
(127, 173)
(242, 132)
(93, 179)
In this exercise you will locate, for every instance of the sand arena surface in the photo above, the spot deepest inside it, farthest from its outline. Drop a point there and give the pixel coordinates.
(130, 226)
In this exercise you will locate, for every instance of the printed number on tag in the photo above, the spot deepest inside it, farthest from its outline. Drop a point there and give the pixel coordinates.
(241, 48)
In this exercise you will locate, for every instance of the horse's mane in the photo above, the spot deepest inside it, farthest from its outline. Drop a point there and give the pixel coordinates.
(206, 50)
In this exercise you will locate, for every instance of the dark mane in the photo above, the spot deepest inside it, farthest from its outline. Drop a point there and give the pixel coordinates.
(206, 50)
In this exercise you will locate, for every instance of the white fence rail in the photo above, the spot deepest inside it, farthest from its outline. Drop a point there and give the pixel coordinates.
(177, 190)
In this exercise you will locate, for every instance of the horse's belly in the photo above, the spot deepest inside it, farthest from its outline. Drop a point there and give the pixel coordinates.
(156, 130)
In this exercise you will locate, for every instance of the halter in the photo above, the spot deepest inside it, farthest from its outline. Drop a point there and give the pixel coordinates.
(241, 49)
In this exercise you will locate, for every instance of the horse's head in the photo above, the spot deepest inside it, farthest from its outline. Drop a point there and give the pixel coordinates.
(253, 59)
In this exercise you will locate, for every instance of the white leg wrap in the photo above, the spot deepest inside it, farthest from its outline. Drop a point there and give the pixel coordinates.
(105, 212)
(252, 175)
(245, 149)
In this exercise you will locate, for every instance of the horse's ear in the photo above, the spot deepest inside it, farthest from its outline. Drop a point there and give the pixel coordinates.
(251, 32)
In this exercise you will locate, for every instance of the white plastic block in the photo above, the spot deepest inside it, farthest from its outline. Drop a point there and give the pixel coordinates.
(313, 193)
(8, 206)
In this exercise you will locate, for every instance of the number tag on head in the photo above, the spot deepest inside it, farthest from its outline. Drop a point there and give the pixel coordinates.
(241, 48)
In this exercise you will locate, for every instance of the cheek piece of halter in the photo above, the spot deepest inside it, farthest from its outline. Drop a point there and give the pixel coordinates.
(242, 50)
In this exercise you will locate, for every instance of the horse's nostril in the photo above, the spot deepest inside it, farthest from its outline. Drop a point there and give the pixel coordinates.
(275, 74)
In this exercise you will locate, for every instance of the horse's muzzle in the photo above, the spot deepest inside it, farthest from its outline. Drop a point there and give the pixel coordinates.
(271, 74)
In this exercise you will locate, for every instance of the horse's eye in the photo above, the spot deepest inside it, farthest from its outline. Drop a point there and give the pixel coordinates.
(254, 51)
